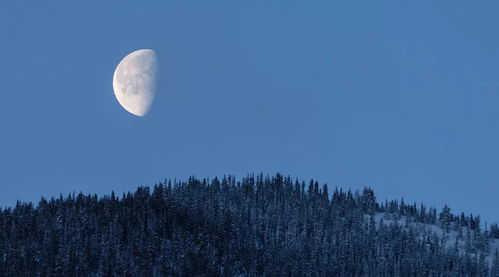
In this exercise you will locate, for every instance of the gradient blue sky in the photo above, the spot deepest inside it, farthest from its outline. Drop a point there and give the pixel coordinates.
(403, 97)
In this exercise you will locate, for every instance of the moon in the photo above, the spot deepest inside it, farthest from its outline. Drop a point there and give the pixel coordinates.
(134, 81)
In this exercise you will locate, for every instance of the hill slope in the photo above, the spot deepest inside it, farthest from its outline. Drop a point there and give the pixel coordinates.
(259, 226)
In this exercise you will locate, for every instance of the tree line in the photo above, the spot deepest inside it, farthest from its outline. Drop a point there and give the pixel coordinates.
(257, 226)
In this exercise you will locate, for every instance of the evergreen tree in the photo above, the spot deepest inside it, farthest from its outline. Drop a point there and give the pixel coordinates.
(445, 218)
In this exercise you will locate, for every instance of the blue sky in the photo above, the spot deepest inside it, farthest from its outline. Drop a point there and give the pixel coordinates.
(402, 97)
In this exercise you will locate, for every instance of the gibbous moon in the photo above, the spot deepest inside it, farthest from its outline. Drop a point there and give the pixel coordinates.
(134, 81)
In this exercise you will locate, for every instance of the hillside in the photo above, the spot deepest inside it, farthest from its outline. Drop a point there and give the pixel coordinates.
(258, 226)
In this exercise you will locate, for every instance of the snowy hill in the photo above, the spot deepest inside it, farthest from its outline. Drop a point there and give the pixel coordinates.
(457, 237)
(258, 226)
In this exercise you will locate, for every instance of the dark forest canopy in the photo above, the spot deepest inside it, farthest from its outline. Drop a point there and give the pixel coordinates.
(259, 226)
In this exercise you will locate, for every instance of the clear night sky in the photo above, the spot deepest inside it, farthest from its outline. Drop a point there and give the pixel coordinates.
(403, 97)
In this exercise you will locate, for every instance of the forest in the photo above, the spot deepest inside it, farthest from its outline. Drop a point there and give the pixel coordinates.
(257, 226)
